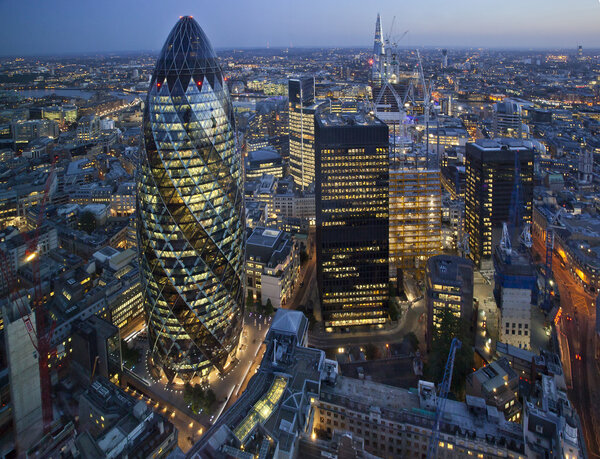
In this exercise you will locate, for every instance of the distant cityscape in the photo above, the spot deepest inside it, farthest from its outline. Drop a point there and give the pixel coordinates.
(374, 252)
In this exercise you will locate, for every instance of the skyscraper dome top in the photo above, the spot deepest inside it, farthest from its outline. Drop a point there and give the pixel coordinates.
(187, 53)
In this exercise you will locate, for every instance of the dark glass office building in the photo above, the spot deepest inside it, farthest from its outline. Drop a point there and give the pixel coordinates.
(490, 181)
(302, 108)
(352, 164)
(190, 220)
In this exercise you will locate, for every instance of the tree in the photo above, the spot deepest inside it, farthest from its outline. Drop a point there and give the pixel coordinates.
(269, 307)
(87, 222)
(393, 311)
(197, 399)
(372, 352)
(413, 340)
(450, 327)
(129, 355)
(250, 300)
(303, 256)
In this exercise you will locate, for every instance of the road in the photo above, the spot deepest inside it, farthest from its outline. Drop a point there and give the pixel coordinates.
(171, 398)
(578, 324)
(412, 320)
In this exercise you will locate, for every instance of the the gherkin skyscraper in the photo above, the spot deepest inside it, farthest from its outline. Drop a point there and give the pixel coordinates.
(190, 210)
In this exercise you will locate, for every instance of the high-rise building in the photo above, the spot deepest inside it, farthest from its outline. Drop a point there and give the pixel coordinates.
(507, 120)
(190, 210)
(449, 283)
(415, 213)
(490, 170)
(302, 129)
(444, 58)
(378, 52)
(352, 218)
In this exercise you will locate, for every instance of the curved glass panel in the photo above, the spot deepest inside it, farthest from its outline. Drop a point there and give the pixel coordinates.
(190, 218)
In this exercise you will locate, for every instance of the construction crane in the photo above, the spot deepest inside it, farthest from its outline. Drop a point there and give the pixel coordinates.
(41, 334)
(442, 397)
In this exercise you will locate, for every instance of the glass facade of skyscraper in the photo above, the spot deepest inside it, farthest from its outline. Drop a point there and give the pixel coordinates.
(352, 218)
(190, 218)
(302, 130)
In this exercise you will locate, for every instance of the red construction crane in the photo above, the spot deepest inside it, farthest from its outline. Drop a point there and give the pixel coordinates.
(41, 334)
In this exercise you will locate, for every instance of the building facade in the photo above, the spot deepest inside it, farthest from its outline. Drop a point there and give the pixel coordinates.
(352, 218)
(449, 283)
(490, 170)
(415, 195)
(302, 130)
(190, 210)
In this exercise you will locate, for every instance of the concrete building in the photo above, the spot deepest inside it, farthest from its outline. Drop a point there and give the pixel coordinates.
(515, 290)
(272, 265)
(116, 425)
(24, 376)
(550, 424)
(263, 161)
(449, 284)
(88, 128)
(297, 405)
(507, 120)
(498, 384)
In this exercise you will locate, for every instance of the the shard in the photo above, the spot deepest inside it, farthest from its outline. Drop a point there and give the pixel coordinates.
(190, 211)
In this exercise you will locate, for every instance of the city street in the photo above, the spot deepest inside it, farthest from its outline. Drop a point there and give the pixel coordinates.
(411, 321)
(169, 400)
(577, 323)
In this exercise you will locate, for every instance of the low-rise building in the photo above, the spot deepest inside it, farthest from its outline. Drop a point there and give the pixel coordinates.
(297, 405)
(498, 384)
(116, 425)
(272, 265)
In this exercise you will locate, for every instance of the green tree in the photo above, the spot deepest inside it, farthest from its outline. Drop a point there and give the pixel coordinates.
(303, 256)
(372, 352)
(393, 310)
(413, 340)
(87, 222)
(250, 301)
(451, 327)
(129, 355)
(269, 307)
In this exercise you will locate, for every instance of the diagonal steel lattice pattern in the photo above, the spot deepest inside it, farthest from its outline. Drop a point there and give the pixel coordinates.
(190, 210)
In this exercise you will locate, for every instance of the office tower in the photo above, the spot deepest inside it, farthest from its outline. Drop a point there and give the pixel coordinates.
(507, 120)
(515, 289)
(352, 218)
(585, 166)
(449, 284)
(490, 169)
(444, 58)
(580, 51)
(302, 129)
(378, 52)
(190, 210)
(415, 213)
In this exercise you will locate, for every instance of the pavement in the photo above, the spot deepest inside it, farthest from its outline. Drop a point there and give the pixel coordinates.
(577, 323)
(170, 399)
(412, 320)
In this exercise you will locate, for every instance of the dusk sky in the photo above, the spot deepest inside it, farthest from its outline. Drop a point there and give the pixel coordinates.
(32, 27)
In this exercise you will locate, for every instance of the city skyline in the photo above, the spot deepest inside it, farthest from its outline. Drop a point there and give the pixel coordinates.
(539, 25)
